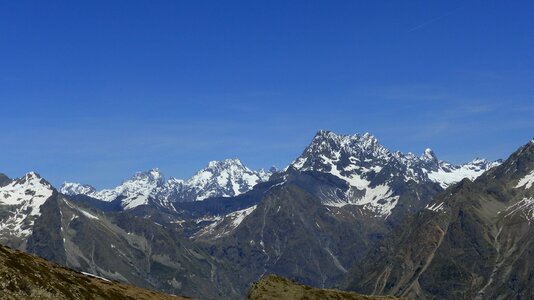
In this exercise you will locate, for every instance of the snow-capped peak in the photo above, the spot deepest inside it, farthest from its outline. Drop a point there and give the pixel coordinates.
(26, 194)
(29, 187)
(328, 147)
(134, 191)
(229, 177)
(372, 169)
(357, 159)
(217, 164)
(224, 178)
(150, 176)
(429, 155)
(74, 188)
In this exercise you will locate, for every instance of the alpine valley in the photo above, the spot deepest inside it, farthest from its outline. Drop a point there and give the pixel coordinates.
(346, 213)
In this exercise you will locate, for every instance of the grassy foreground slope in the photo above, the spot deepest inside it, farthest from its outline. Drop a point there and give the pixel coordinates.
(275, 287)
(23, 276)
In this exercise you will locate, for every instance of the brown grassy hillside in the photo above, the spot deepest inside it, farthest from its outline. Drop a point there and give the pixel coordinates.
(275, 287)
(23, 276)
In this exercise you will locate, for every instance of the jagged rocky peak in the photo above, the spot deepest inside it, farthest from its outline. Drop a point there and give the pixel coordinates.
(358, 158)
(325, 140)
(226, 163)
(328, 147)
(4, 179)
(74, 188)
(229, 177)
(31, 180)
(429, 155)
(225, 178)
(150, 176)
(26, 194)
(174, 181)
(266, 174)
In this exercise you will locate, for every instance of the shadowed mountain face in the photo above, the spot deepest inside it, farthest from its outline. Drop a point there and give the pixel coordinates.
(476, 241)
(25, 277)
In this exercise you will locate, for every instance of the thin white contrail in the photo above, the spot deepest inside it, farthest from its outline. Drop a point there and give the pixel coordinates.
(424, 24)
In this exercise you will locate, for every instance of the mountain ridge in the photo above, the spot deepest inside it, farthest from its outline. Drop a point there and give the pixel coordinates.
(226, 178)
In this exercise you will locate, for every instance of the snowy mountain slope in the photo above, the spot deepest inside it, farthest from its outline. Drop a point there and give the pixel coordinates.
(527, 181)
(134, 191)
(372, 171)
(225, 178)
(223, 225)
(72, 188)
(20, 201)
(447, 174)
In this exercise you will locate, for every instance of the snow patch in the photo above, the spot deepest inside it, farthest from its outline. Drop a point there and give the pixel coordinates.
(83, 212)
(229, 222)
(524, 207)
(526, 181)
(238, 216)
(437, 207)
(95, 276)
(448, 174)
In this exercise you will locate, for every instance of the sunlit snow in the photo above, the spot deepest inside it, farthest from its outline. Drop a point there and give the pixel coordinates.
(526, 181)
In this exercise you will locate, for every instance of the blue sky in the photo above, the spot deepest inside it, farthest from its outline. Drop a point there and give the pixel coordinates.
(95, 91)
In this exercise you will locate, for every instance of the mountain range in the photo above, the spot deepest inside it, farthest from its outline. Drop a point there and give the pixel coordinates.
(316, 221)
(225, 178)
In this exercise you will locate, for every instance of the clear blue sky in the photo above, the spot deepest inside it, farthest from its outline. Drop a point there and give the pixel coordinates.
(95, 91)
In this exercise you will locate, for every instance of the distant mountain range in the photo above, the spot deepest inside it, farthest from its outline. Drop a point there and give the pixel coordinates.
(356, 159)
(225, 178)
(315, 221)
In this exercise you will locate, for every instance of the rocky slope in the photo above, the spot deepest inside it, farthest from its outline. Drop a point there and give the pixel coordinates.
(275, 287)
(473, 242)
(28, 277)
